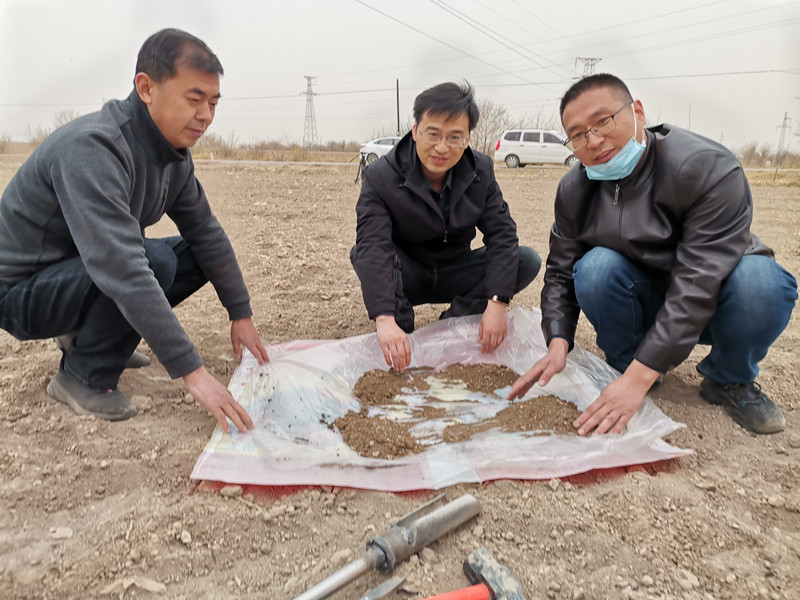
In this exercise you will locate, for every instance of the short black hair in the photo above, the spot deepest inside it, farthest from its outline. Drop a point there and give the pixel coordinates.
(164, 51)
(614, 83)
(448, 98)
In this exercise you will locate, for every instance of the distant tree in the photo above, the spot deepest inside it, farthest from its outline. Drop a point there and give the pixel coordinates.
(38, 135)
(536, 120)
(62, 117)
(390, 130)
(213, 144)
(493, 120)
(764, 155)
(747, 155)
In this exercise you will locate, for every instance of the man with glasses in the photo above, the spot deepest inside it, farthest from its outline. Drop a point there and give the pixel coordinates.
(652, 241)
(417, 214)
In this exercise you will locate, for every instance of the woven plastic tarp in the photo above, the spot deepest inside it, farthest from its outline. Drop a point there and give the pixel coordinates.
(307, 384)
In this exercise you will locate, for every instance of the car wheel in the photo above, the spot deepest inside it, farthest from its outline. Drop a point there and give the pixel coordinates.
(571, 161)
(371, 158)
(512, 161)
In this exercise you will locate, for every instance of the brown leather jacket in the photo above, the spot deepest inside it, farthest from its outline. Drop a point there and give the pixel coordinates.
(684, 214)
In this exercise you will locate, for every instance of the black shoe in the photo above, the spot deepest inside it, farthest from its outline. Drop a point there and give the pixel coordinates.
(110, 405)
(136, 361)
(746, 404)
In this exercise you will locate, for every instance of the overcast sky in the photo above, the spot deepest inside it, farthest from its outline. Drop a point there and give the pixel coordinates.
(727, 69)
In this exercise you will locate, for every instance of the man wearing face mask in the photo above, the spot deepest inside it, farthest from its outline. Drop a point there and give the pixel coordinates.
(652, 241)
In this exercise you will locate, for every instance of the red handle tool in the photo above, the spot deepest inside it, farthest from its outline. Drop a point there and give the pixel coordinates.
(475, 592)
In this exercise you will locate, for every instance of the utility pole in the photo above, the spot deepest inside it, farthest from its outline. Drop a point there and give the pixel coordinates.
(588, 65)
(397, 87)
(310, 127)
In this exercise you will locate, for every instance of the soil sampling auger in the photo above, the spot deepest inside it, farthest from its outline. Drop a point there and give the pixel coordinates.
(406, 537)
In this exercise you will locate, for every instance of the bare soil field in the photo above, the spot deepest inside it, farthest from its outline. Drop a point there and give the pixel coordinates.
(88, 506)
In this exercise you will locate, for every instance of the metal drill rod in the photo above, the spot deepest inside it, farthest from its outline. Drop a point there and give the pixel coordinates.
(406, 537)
(347, 574)
(401, 542)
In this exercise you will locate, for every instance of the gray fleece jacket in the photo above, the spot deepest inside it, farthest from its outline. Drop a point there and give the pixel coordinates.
(91, 189)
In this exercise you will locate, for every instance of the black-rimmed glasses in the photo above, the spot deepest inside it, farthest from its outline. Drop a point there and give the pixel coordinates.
(601, 128)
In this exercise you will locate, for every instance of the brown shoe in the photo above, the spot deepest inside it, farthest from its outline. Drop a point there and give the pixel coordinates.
(109, 405)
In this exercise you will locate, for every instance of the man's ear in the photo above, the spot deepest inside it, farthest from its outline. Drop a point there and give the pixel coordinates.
(144, 87)
(639, 112)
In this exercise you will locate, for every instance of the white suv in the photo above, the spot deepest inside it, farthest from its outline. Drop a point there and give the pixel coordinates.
(519, 147)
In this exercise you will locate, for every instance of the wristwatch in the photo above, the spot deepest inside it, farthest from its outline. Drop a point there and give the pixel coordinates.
(504, 299)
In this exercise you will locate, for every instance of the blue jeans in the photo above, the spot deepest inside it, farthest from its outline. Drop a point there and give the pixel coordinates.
(621, 299)
(62, 299)
(460, 282)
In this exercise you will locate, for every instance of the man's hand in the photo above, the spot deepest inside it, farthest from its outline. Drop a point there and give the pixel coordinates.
(217, 400)
(618, 402)
(243, 331)
(494, 326)
(553, 362)
(394, 342)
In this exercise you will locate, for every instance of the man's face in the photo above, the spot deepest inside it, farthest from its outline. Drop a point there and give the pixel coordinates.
(182, 107)
(438, 158)
(586, 110)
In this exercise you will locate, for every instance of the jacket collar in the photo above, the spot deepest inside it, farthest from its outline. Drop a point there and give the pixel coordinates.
(145, 130)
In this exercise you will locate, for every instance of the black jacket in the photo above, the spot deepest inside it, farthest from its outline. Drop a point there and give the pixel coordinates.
(396, 209)
(684, 214)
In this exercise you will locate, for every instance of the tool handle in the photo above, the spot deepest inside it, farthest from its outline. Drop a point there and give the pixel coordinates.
(399, 543)
(476, 592)
(350, 572)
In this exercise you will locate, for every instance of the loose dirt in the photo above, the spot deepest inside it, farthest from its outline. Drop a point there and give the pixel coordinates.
(383, 435)
(86, 504)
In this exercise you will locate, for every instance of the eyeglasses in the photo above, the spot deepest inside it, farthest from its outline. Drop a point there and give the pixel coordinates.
(434, 137)
(602, 127)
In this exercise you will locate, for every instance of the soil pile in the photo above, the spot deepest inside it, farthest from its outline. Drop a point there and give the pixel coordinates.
(388, 433)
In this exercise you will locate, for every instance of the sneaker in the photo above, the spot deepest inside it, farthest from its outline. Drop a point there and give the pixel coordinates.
(110, 405)
(137, 360)
(746, 404)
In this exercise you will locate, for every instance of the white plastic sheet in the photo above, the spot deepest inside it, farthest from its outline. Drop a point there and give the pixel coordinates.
(308, 384)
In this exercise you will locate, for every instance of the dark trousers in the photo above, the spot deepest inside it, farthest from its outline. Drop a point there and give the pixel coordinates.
(460, 282)
(62, 299)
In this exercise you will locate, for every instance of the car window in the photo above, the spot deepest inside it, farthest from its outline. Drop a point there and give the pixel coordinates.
(513, 136)
(549, 138)
(530, 136)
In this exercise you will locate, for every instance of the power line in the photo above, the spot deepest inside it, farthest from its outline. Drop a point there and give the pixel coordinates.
(437, 40)
(490, 33)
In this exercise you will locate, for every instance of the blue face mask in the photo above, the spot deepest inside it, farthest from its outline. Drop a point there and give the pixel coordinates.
(623, 163)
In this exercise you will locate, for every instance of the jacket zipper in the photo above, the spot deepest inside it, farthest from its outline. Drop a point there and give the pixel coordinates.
(616, 194)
